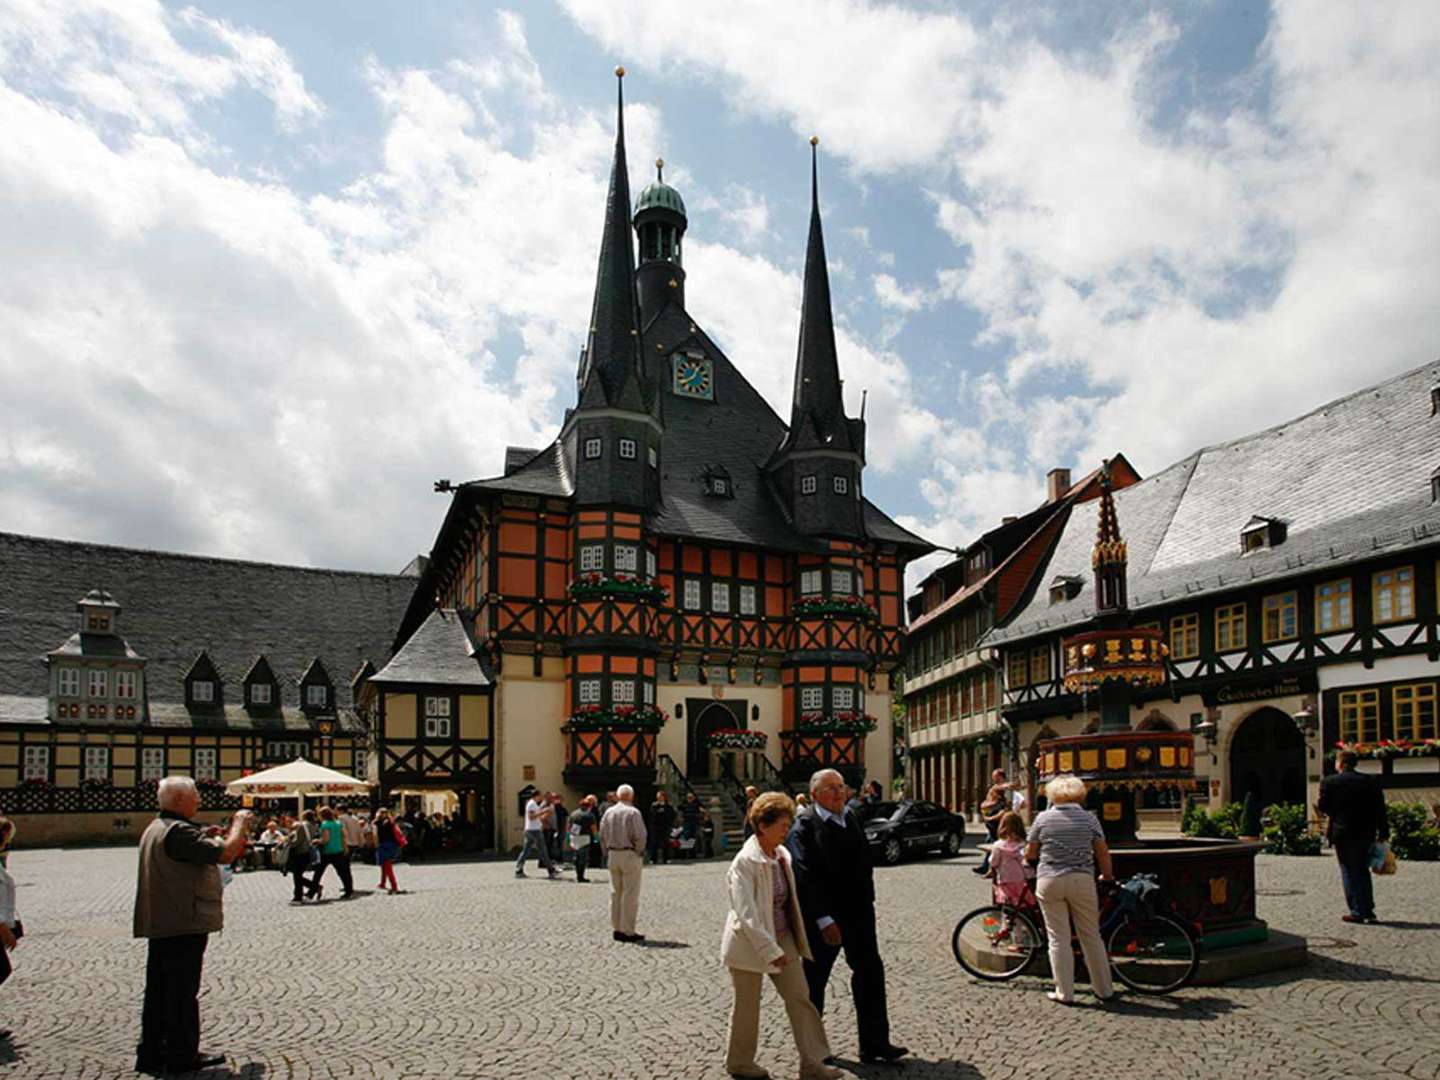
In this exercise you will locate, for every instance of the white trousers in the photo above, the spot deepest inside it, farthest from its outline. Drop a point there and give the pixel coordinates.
(805, 1021)
(625, 868)
(1067, 898)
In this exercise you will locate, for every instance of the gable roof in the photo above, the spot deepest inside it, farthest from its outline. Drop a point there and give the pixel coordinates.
(1351, 480)
(177, 605)
(440, 652)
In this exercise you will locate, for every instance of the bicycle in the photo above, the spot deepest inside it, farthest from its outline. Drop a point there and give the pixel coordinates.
(1150, 952)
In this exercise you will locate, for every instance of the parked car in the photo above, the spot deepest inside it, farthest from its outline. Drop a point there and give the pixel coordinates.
(897, 829)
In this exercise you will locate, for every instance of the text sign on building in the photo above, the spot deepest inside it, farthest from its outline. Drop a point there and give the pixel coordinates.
(1260, 689)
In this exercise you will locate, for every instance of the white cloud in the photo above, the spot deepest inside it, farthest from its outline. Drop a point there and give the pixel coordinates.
(1154, 276)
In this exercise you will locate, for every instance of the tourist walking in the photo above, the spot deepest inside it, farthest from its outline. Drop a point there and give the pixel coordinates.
(1070, 844)
(353, 826)
(996, 802)
(1355, 806)
(690, 822)
(333, 852)
(537, 813)
(558, 836)
(836, 881)
(765, 935)
(179, 903)
(622, 839)
(301, 857)
(388, 842)
(662, 824)
(581, 835)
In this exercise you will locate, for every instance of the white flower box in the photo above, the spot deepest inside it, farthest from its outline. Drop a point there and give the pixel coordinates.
(1407, 765)
(1370, 765)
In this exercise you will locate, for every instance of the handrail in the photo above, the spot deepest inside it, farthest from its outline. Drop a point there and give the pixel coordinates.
(668, 772)
(773, 776)
(737, 789)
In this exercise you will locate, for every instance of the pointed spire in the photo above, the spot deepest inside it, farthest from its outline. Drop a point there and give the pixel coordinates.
(817, 403)
(613, 348)
(1109, 558)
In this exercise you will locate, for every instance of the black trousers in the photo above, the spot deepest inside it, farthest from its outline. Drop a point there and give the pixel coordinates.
(867, 976)
(659, 846)
(341, 862)
(582, 859)
(296, 867)
(170, 1018)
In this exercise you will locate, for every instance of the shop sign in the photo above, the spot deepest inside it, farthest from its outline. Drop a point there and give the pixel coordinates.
(1261, 688)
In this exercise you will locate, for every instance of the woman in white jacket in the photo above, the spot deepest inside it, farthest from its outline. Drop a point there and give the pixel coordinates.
(765, 935)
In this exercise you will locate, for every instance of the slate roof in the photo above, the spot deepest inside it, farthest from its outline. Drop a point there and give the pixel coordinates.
(1351, 480)
(175, 606)
(440, 651)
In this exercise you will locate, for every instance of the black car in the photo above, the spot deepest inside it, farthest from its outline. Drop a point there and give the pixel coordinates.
(897, 829)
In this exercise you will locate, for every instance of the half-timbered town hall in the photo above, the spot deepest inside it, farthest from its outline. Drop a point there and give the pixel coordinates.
(679, 564)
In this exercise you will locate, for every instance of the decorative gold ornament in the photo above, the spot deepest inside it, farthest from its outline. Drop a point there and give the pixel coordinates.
(619, 72)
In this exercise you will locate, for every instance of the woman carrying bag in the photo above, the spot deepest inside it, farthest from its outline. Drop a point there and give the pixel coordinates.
(765, 935)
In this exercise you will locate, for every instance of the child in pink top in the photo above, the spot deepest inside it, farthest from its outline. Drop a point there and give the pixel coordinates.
(1007, 861)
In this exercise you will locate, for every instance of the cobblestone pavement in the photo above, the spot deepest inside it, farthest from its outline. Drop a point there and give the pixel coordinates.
(473, 973)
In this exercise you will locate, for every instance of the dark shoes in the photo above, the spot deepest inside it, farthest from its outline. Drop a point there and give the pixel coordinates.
(202, 1061)
(628, 938)
(886, 1055)
(1351, 918)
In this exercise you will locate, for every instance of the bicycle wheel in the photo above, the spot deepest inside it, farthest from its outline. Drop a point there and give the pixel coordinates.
(1153, 954)
(996, 942)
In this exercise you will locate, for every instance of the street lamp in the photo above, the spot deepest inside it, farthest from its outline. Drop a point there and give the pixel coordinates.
(1308, 723)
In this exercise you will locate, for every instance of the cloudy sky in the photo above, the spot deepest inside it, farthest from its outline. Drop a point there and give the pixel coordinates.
(270, 270)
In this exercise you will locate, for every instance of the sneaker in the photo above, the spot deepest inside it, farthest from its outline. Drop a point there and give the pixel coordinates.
(519, 873)
(1351, 918)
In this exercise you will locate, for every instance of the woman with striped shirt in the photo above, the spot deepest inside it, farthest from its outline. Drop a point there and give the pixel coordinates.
(1068, 841)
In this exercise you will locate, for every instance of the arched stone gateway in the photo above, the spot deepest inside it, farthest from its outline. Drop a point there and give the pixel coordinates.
(716, 716)
(1267, 756)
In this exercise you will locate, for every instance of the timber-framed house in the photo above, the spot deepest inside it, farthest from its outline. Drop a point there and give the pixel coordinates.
(678, 562)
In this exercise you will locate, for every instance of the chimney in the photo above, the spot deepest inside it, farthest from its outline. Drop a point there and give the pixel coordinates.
(1009, 519)
(1057, 483)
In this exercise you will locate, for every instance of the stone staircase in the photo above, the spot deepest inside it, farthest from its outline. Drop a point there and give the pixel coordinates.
(730, 819)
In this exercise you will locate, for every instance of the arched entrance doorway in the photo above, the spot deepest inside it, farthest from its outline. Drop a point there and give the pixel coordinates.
(705, 721)
(1267, 756)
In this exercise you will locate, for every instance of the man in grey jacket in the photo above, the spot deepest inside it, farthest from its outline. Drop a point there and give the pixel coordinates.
(178, 905)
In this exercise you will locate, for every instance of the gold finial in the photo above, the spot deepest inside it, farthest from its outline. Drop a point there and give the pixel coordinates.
(619, 72)
(660, 169)
(814, 140)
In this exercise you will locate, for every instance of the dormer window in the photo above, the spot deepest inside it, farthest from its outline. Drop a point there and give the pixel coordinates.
(627, 449)
(842, 485)
(718, 483)
(261, 688)
(202, 683)
(1260, 533)
(807, 485)
(1065, 587)
(261, 693)
(592, 449)
(1434, 400)
(317, 692)
(1435, 486)
(98, 624)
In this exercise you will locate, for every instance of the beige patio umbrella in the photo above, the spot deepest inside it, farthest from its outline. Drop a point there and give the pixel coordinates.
(298, 779)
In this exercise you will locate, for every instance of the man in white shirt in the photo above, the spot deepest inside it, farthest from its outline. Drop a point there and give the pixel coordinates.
(537, 812)
(622, 838)
(353, 830)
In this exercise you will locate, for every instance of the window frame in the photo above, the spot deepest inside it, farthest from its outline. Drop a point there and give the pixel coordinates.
(1362, 705)
(845, 573)
(1345, 596)
(97, 677)
(125, 685)
(592, 448)
(1017, 662)
(628, 449)
(592, 558)
(1041, 668)
(1403, 586)
(1235, 619)
(815, 576)
(627, 559)
(845, 694)
(310, 702)
(211, 771)
(749, 598)
(1415, 696)
(67, 673)
(152, 763)
(35, 762)
(692, 596)
(1187, 626)
(208, 697)
(252, 696)
(95, 763)
(840, 485)
(1275, 604)
(622, 691)
(587, 691)
(720, 597)
(812, 699)
(809, 484)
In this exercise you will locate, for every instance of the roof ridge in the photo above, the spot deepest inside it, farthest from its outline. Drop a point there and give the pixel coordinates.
(191, 557)
(1334, 403)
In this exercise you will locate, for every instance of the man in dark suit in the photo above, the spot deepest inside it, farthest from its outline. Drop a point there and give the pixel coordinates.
(1355, 805)
(835, 879)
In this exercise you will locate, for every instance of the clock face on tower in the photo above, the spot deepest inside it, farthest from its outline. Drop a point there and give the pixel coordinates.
(693, 376)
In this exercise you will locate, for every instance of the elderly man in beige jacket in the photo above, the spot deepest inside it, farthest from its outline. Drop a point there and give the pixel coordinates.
(765, 935)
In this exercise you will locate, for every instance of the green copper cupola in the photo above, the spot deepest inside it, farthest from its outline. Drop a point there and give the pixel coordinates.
(660, 223)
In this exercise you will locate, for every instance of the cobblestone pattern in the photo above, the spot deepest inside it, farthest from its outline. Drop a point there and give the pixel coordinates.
(473, 973)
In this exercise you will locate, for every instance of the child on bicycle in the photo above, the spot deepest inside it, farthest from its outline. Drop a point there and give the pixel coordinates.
(1008, 869)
